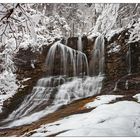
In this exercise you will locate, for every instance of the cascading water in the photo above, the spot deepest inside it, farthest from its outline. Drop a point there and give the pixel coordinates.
(69, 63)
(40, 96)
(79, 44)
(97, 65)
(79, 57)
(57, 89)
(129, 60)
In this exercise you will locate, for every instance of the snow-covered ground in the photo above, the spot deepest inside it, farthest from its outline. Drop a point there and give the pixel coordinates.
(104, 99)
(118, 119)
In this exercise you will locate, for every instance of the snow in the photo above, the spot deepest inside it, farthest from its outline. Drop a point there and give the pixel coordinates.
(111, 33)
(32, 31)
(107, 19)
(103, 99)
(135, 32)
(94, 34)
(25, 79)
(115, 49)
(137, 96)
(8, 86)
(118, 119)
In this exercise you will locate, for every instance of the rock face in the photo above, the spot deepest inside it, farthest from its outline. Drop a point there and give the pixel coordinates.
(121, 57)
(115, 56)
(122, 65)
(135, 57)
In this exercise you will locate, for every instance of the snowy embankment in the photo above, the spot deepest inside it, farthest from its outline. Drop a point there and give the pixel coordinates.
(8, 86)
(117, 119)
(104, 99)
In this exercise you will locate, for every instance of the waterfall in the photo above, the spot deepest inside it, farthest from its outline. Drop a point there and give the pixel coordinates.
(79, 57)
(129, 59)
(49, 94)
(79, 43)
(69, 83)
(69, 62)
(98, 56)
(39, 97)
(79, 88)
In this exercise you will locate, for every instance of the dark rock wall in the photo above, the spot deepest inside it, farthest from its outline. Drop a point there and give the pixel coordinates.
(116, 60)
(135, 56)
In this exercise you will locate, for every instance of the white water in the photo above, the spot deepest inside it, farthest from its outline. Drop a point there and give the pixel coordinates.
(51, 92)
(129, 60)
(79, 88)
(79, 57)
(70, 60)
(98, 56)
(79, 44)
(73, 89)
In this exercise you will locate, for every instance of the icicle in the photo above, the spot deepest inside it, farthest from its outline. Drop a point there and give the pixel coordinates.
(32, 64)
(126, 84)
(116, 86)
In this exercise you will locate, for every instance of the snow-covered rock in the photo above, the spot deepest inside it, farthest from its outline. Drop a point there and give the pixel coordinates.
(137, 96)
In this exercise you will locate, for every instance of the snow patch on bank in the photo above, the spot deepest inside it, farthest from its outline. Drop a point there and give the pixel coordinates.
(118, 119)
(137, 96)
(100, 100)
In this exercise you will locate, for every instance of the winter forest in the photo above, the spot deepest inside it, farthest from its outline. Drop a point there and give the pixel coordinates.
(69, 69)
